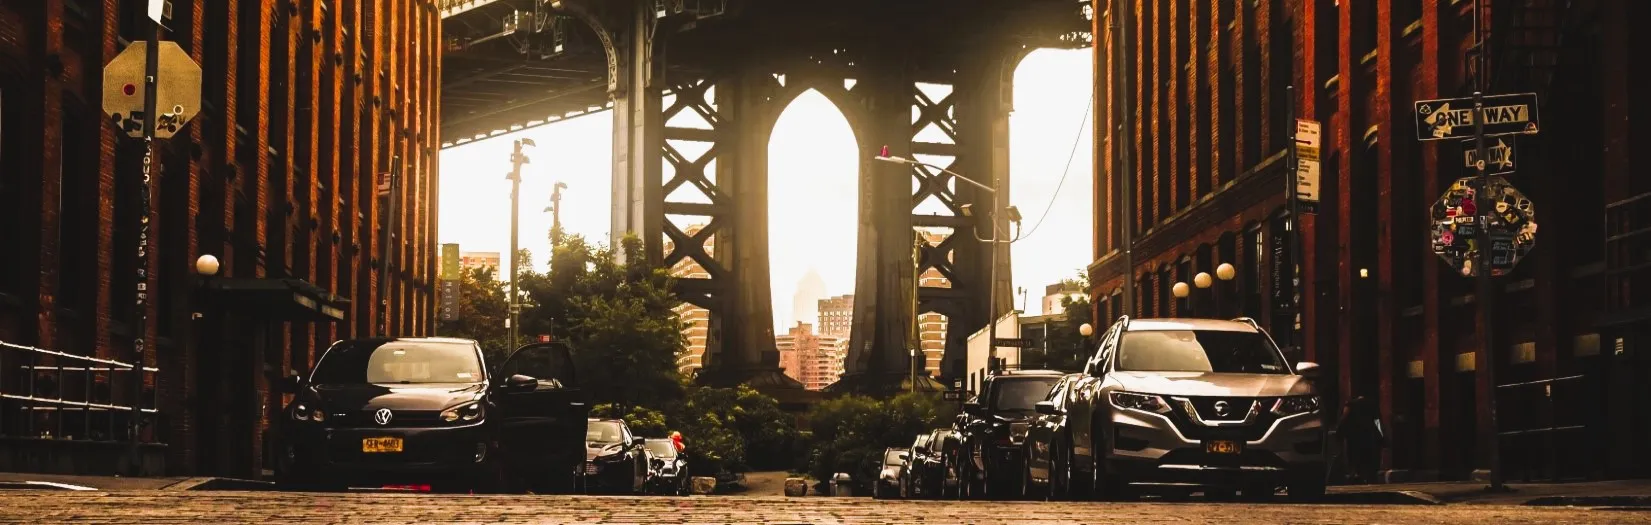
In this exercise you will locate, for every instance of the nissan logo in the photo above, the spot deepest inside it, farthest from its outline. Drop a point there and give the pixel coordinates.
(383, 415)
(1221, 409)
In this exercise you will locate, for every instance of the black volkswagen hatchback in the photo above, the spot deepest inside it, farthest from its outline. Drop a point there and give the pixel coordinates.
(428, 411)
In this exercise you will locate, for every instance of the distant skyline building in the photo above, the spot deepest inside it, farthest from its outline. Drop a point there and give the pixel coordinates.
(1055, 294)
(697, 318)
(805, 304)
(470, 261)
(836, 315)
(814, 360)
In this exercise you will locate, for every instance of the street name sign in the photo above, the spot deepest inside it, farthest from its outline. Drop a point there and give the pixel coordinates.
(1012, 342)
(1452, 118)
(1307, 160)
(177, 89)
(1502, 151)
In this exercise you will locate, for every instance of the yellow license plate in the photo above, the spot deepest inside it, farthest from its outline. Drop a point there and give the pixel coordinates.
(1223, 447)
(381, 444)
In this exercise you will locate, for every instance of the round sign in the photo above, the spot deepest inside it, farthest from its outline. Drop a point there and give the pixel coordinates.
(1511, 225)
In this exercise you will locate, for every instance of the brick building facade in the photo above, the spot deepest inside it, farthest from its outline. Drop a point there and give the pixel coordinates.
(304, 102)
(1208, 87)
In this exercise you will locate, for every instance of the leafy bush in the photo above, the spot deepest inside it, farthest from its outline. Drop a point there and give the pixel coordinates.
(851, 432)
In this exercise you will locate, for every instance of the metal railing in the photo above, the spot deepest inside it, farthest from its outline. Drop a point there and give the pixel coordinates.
(47, 394)
(1534, 436)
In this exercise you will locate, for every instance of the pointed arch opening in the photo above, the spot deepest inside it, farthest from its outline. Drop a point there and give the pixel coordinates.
(813, 213)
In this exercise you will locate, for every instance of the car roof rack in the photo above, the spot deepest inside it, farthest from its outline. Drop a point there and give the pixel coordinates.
(1252, 322)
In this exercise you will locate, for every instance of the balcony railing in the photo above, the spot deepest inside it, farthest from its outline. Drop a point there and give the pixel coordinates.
(46, 394)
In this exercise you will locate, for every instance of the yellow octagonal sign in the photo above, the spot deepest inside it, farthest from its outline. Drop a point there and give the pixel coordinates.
(177, 89)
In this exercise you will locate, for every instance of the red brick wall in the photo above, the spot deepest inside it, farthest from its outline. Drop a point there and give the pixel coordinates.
(36, 35)
(1410, 308)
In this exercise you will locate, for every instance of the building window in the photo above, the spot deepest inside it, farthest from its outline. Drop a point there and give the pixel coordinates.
(11, 182)
(77, 221)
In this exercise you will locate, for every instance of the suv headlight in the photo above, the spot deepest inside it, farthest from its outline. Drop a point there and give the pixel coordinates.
(303, 412)
(1142, 402)
(1289, 406)
(468, 412)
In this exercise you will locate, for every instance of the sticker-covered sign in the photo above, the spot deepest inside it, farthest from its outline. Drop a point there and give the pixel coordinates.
(1456, 221)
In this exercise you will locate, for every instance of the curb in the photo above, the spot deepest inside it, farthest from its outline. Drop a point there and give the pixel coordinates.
(1385, 497)
(41, 485)
(1591, 501)
(219, 484)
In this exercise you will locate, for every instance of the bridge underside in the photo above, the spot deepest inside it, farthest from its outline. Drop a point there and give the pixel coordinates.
(695, 95)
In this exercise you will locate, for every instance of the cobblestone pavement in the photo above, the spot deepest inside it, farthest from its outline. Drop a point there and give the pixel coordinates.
(271, 507)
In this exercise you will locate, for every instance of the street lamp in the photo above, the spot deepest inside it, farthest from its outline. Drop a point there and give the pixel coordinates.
(1225, 272)
(1086, 330)
(991, 215)
(1181, 290)
(206, 265)
(1202, 280)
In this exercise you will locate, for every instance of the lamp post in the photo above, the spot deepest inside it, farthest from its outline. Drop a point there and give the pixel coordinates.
(517, 159)
(1084, 330)
(992, 216)
(1181, 291)
(1225, 272)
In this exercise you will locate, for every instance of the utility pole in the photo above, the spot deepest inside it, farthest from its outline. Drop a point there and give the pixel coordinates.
(555, 209)
(517, 159)
(388, 248)
(1126, 213)
(1485, 296)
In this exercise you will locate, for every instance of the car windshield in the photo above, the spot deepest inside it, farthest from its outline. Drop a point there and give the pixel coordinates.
(1213, 351)
(891, 457)
(1020, 393)
(661, 448)
(603, 432)
(399, 362)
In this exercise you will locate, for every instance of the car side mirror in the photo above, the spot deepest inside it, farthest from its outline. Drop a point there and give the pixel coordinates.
(920, 449)
(638, 441)
(971, 407)
(520, 383)
(1308, 369)
(1047, 408)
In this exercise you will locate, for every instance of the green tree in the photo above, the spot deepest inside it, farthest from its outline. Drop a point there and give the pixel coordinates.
(617, 317)
(643, 421)
(482, 311)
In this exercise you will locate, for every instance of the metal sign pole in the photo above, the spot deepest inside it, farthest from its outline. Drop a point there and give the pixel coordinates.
(140, 326)
(1291, 191)
(1485, 296)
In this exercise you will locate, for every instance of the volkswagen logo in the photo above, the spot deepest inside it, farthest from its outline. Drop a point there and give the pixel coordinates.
(383, 415)
(1221, 409)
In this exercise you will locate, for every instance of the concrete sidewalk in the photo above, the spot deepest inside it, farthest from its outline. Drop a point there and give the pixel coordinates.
(1621, 493)
(30, 481)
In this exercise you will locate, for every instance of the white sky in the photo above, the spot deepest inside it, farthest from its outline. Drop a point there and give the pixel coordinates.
(812, 170)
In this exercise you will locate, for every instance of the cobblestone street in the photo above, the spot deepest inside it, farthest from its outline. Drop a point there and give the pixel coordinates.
(374, 508)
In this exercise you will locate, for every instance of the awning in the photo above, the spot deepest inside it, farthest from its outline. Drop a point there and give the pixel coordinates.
(294, 300)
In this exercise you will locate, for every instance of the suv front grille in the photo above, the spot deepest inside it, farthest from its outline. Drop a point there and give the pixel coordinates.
(1239, 407)
(399, 419)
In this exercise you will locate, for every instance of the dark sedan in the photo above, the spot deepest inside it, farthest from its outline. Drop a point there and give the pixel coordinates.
(426, 411)
(667, 469)
(615, 460)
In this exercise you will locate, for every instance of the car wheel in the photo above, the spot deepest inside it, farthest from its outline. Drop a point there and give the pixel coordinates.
(1104, 486)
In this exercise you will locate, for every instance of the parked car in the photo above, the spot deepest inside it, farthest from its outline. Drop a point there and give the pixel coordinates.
(908, 482)
(928, 470)
(667, 469)
(889, 483)
(1047, 474)
(616, 461)
(1201, 401)
(385, 411)
(993, 429)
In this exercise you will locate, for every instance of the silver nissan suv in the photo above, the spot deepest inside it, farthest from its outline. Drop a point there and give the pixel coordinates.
(1203, 402)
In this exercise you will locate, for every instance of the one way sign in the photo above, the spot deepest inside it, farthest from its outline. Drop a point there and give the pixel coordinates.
(1452, 118)
(1502, 153)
